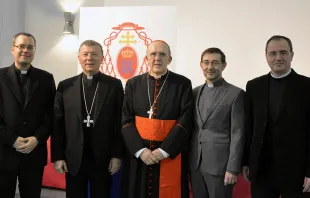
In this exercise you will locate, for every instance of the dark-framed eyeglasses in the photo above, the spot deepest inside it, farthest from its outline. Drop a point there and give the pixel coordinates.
(30, 48)
(213, 63)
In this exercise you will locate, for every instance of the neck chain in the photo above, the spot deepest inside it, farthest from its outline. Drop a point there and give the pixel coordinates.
(88, 121)
(150, 112)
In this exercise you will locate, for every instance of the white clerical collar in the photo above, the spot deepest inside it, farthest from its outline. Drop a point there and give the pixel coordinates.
(282, 76)
(217, 83)
(158, 76)
(89, 77)
(23, 71)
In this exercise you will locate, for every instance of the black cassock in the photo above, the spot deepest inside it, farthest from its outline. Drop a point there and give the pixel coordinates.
(169, 129)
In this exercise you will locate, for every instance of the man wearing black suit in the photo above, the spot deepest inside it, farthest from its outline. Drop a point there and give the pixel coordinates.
(277, 113)
(26, 111)
(86, 140)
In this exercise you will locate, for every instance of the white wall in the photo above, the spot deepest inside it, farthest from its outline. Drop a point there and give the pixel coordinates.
(12, 16)
(240, 28)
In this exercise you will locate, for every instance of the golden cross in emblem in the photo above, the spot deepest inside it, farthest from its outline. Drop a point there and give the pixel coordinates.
(128, 39)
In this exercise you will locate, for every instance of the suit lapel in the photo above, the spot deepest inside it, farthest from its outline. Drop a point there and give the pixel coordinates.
(218, 96)
(13, 83)
(100, 97)
(32, 84)
(263, 92)
(76, 94)
(199, 91)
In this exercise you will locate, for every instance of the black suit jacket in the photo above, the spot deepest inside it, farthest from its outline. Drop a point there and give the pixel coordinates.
(32, 118)
(67, 138)
(292, 130)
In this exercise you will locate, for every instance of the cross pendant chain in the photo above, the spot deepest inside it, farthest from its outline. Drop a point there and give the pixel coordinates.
(88, 121)
(150, 112)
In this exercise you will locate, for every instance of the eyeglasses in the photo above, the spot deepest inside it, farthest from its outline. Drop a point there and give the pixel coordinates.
(213, 63)
(283, 54)
(30, 48)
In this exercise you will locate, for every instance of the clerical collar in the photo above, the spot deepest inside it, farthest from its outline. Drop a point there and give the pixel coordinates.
(23, 72)
(216, 83)
(282, 76)
(160, 76)
(93, 77)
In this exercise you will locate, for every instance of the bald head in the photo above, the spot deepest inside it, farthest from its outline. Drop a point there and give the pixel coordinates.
(161, 42)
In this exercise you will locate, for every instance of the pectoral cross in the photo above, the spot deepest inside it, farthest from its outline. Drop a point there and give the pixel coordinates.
(150, 112)
(88, 121)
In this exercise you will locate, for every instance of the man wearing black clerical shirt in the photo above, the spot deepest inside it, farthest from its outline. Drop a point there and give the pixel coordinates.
(157, 122)
(277, 127)
(26, 106)
(86, 142)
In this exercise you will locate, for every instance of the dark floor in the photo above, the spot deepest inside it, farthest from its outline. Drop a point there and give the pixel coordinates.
(48, 193)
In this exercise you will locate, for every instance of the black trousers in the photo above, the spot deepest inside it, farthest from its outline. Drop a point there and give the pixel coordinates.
(266, 185)
(29, 181)
(266, 191)
(98, 178)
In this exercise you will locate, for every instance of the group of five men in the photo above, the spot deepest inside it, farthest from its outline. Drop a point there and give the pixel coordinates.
(166, 133)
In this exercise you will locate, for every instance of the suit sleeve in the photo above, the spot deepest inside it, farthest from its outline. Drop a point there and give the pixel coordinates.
(308, 137)
(178, 139)
(130, 133)
(44, 130)
(248, 123)
(118, 142)
(58, 137)
(7, 136)
(236, 134)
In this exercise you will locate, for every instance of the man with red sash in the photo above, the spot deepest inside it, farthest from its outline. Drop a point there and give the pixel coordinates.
(157, 123)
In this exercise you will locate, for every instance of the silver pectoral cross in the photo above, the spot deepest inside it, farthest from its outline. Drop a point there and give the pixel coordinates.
(88, 121)
(150, 112)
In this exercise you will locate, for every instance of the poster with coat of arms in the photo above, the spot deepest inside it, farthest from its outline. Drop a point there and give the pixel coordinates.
(125, 33)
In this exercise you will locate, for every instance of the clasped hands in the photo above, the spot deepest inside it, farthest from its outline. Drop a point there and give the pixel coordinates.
(25, 145)
(151, 157)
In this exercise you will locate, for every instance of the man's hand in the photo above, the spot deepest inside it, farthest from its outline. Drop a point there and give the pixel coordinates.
(30, 143)
(158, 154)
(246, 173)
(230, 178)
(306, 185)
(148, 158)
(60, 166)
(115, 165)
(19, 142)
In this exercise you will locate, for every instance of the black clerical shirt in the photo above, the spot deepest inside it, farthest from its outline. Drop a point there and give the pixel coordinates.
(90, 89)
(23, 81)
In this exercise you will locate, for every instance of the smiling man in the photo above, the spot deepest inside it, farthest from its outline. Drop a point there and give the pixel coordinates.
(86, 140)
(26, 112)
(277, 107)
(218, 135)
(157, 121)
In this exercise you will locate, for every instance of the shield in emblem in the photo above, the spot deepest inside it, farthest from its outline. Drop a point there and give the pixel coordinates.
(127, 62)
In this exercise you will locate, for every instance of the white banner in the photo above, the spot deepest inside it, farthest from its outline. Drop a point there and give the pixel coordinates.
(125, 33)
